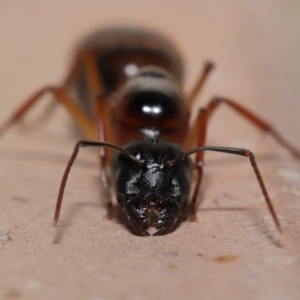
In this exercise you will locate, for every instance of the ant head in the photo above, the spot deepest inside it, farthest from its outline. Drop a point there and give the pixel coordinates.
(154, 192)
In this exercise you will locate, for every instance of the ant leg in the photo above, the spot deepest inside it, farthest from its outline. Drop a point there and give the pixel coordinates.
(49, 110)
(246, 153)
(60, 93)
(201, 125)
(99, 102)
(86, 59)
(62, 97)
(104, 155)
(79, 58)
(200, 82)
(257, 121)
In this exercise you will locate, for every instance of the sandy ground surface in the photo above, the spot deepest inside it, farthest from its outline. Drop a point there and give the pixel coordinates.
(234, 251)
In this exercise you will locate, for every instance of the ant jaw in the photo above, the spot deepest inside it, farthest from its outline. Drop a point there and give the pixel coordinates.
(167, 221)
(142, 218)
(165, 228)
(137, 218)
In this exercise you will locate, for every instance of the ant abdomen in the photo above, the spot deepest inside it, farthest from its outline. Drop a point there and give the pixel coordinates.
(120, 53)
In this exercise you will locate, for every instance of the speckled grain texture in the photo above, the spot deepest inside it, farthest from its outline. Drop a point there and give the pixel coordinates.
(234, 251)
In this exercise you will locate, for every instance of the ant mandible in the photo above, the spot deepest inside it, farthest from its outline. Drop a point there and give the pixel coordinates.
(128, 84)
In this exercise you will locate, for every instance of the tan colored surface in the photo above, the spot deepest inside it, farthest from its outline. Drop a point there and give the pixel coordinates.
(233, 252)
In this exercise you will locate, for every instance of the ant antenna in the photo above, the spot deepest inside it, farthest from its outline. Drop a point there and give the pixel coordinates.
(242, 152)
(81, 144)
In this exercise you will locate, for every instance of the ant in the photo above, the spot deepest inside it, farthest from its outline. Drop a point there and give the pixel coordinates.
(128, 85)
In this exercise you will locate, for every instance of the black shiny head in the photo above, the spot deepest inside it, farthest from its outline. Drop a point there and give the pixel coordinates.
(155, 192)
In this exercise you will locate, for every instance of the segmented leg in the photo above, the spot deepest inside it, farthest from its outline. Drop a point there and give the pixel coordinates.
(208, 66)
(63, 98)
(60, 94)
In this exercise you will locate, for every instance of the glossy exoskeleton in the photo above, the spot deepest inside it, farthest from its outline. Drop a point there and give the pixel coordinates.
(152, 189)
(128, 83)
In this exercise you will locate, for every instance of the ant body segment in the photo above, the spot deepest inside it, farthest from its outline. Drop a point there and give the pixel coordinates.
(128, 85)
